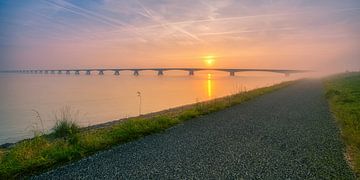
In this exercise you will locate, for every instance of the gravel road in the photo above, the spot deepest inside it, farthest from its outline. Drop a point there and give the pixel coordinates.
(288, 134)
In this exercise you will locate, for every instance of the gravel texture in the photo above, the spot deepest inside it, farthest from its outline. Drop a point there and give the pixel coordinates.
(288, 134)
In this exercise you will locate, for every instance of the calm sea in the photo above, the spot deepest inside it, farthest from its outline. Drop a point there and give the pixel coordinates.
(98, 99)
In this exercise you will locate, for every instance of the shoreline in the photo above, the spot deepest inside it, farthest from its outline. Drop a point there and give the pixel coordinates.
(170, 111)
(33, 156)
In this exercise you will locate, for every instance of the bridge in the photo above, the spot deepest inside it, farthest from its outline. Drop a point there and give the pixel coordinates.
(160, 71)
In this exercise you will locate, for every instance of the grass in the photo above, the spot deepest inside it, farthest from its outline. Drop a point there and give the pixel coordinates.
(67, 130)
(343, 93)
(67, 144)
(65, 126)
(1, 154)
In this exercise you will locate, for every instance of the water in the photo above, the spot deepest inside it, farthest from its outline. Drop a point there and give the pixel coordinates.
(100, 99)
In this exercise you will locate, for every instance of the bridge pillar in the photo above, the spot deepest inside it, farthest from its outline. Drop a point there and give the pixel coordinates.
(101, 72)
(59, 72)
(88, 72)
(232, 73)
(136, 73)
(160, 72)
(41, 71)
(116, 73)
(68, 72)
(53, 72)
(46, 72)
(191, 72)
(77, 72)
(35, 71)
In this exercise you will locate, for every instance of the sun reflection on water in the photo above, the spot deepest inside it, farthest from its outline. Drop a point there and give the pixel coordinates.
(209, 85)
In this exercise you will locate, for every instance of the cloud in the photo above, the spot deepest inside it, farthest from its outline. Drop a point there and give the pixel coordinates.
(160, 28)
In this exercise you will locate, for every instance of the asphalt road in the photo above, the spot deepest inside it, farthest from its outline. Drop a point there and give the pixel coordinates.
(289, 133)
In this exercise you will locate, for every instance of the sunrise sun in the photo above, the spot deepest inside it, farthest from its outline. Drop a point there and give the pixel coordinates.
(209, 60)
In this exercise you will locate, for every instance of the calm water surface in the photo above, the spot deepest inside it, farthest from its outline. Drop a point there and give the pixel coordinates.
(100, 99)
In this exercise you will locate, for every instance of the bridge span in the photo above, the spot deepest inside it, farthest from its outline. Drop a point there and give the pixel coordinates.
(160, 71)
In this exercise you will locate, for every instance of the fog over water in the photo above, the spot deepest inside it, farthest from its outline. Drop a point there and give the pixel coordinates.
(100, 99)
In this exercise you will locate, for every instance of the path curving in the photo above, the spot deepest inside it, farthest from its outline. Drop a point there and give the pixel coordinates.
(289, 133)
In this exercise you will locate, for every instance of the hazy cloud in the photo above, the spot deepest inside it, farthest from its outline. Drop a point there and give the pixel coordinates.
(98, 32)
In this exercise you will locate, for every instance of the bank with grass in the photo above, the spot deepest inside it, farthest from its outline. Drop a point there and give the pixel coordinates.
(68, 143)
(343, 93)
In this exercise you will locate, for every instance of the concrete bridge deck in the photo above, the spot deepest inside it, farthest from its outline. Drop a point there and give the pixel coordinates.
(160, 71)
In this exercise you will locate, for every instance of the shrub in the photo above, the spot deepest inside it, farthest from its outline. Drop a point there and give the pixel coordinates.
(66, 125)
(65, 128)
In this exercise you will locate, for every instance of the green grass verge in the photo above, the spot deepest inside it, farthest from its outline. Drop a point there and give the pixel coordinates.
(343, 93)
(1, 154)
(45, 152)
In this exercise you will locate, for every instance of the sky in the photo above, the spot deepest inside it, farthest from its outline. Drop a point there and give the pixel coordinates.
(293, 34)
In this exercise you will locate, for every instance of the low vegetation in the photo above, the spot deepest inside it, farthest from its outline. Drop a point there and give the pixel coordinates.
(67, 143)
(65, 126)
(1, 154)
(343, 93)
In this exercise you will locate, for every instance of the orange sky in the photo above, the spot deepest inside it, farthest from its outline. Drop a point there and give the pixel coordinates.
(241, 34)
